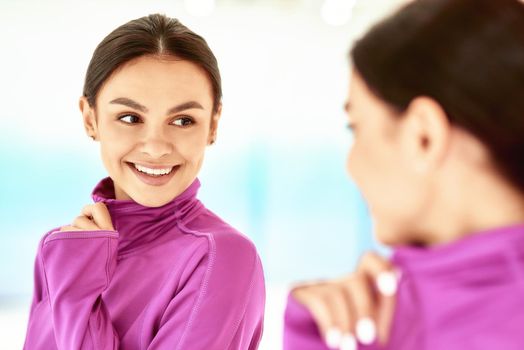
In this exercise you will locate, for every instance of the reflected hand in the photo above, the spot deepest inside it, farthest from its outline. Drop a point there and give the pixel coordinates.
(360, 304)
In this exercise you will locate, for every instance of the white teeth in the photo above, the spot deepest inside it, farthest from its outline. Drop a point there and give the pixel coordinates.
(150, 171)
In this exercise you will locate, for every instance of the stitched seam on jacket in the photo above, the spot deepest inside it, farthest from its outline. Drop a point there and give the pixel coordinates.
(80, 235)
(251, 284)
(204, 283)
(146, 308)
(47, 284)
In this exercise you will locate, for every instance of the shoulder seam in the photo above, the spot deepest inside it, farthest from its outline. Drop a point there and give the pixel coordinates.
(205, 280)
(244, 308)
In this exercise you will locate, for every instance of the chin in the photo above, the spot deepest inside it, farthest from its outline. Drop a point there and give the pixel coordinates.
(151, 202)
(387, 235)
(153, 196)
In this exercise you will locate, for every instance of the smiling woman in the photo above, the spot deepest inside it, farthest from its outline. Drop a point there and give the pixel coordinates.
(154, 118)
(147, 265)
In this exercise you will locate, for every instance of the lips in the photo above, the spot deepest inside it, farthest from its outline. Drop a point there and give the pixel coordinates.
(154, 175)
(155, 171)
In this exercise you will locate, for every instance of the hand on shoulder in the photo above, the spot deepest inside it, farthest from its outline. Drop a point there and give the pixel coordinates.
(358, 306)
(93, 217)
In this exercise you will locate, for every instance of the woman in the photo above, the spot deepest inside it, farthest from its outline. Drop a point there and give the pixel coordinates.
(436, 105)
(147, 266)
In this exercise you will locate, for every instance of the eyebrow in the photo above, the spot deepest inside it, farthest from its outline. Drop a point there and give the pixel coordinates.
(137, 106)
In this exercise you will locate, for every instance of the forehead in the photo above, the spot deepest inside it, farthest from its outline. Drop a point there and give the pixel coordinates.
(354, 99)
(357, 87)
(155, 78)
(359, 93)
(364, 105)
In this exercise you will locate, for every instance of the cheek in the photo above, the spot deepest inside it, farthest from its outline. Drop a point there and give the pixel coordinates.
(112, 155)
(114, 147)
(377, 175)
(191, 146)
(358, 166)
(115, 141)
(352, 166)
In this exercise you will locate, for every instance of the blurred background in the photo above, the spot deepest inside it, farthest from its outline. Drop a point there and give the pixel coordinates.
(277, 171)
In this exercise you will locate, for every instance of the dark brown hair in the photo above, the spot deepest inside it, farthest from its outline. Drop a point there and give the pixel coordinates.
(155, 34)
(468, 55)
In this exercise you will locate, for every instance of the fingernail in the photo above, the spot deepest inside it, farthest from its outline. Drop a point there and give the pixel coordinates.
(387, 283)
(348, 342)
(333, 338)
(366, 330)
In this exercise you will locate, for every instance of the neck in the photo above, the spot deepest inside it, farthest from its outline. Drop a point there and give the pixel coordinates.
(138, 225)
(120, 194)
(478, 204)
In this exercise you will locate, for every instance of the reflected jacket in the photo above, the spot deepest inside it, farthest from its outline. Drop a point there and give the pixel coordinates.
(465, 295)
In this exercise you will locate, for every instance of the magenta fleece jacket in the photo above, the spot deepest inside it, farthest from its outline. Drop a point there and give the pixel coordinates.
(171, 277)
(467, 295)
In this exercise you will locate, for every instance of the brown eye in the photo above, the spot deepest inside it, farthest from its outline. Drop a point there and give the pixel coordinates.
(129, 119)
(185, 121)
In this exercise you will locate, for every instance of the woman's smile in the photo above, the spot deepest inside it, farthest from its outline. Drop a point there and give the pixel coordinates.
(155, 115)
(153, 175)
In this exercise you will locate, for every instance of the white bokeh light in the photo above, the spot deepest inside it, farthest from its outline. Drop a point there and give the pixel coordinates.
(337, 12)
(199, 8)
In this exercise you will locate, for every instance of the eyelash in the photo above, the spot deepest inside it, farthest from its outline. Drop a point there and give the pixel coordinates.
(187, 119)
(127, 115)
(183, 118)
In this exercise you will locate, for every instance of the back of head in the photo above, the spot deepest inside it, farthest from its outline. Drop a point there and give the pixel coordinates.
(468, 55)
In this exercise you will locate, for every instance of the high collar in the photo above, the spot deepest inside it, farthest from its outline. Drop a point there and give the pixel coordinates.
(463, 275)
(499, 246)
(458, 290)
(139, 225)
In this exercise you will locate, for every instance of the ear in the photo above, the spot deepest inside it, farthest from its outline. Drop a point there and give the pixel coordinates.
(214, 125)
(426, 134)
(89, 117)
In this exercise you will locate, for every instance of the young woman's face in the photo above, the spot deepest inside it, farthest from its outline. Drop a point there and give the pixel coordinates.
(377, 163)
(153, 119)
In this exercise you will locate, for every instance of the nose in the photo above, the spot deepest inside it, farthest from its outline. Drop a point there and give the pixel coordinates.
(156, 144)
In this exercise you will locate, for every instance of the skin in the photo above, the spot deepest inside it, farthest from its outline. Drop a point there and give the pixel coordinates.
(134, 121)
(426, 182)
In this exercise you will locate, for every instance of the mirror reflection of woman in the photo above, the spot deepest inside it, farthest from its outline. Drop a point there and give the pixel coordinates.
(147, 266)
(436, 107)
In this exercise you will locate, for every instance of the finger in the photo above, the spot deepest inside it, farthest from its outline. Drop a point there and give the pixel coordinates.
(340, 307)
(313, 298)
(371, 264)
(99, 214)
(387, 284)
(83, 223)
(381, 274)
(363, 301)
(347, 314)
(323, 309)
(385, 318)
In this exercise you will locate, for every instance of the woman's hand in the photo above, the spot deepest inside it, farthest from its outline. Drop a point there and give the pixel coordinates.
(94, 217)
(360, 304)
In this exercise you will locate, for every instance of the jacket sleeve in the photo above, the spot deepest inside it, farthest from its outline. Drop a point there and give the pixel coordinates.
(300, 329)
(77, 267)
(221, 306)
